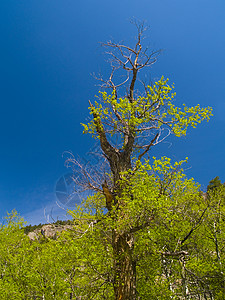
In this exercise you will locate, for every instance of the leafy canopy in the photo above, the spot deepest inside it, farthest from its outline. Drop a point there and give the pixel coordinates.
(154, 111)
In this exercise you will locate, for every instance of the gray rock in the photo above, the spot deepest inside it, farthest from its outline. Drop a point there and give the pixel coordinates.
(48, 231)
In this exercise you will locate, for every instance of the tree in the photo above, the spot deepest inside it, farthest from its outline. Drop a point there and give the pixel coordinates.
(38, 269)
(214, 184)
(147, 232)
(11, 263)
(138, 120)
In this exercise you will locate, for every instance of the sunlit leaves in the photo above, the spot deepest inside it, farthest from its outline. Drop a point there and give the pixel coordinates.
(154, 111)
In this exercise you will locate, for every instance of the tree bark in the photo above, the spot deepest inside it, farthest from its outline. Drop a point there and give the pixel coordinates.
(124, 267)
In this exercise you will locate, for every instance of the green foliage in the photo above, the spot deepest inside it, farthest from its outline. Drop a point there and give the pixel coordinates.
(155, 110)
(170, 215)
(80, 261)
(214, 184)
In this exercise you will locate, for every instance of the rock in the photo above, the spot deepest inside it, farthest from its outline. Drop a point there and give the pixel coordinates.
(33, 236)
(48, 231)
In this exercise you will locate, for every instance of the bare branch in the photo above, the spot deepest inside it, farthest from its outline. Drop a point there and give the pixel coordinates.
(195, 226)
(132, 59)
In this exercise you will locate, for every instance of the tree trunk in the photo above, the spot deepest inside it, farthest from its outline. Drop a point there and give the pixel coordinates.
(124, 267)
(122, 243)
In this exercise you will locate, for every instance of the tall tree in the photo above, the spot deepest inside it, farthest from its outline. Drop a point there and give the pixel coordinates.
(138, 119)
(214, 184)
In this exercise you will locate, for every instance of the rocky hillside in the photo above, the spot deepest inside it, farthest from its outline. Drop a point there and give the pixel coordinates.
(47, 230)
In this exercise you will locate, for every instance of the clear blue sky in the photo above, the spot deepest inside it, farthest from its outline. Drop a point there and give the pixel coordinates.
(48, 51)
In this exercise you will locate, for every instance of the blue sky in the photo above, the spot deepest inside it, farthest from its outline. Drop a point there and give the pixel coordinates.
(49, 49)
